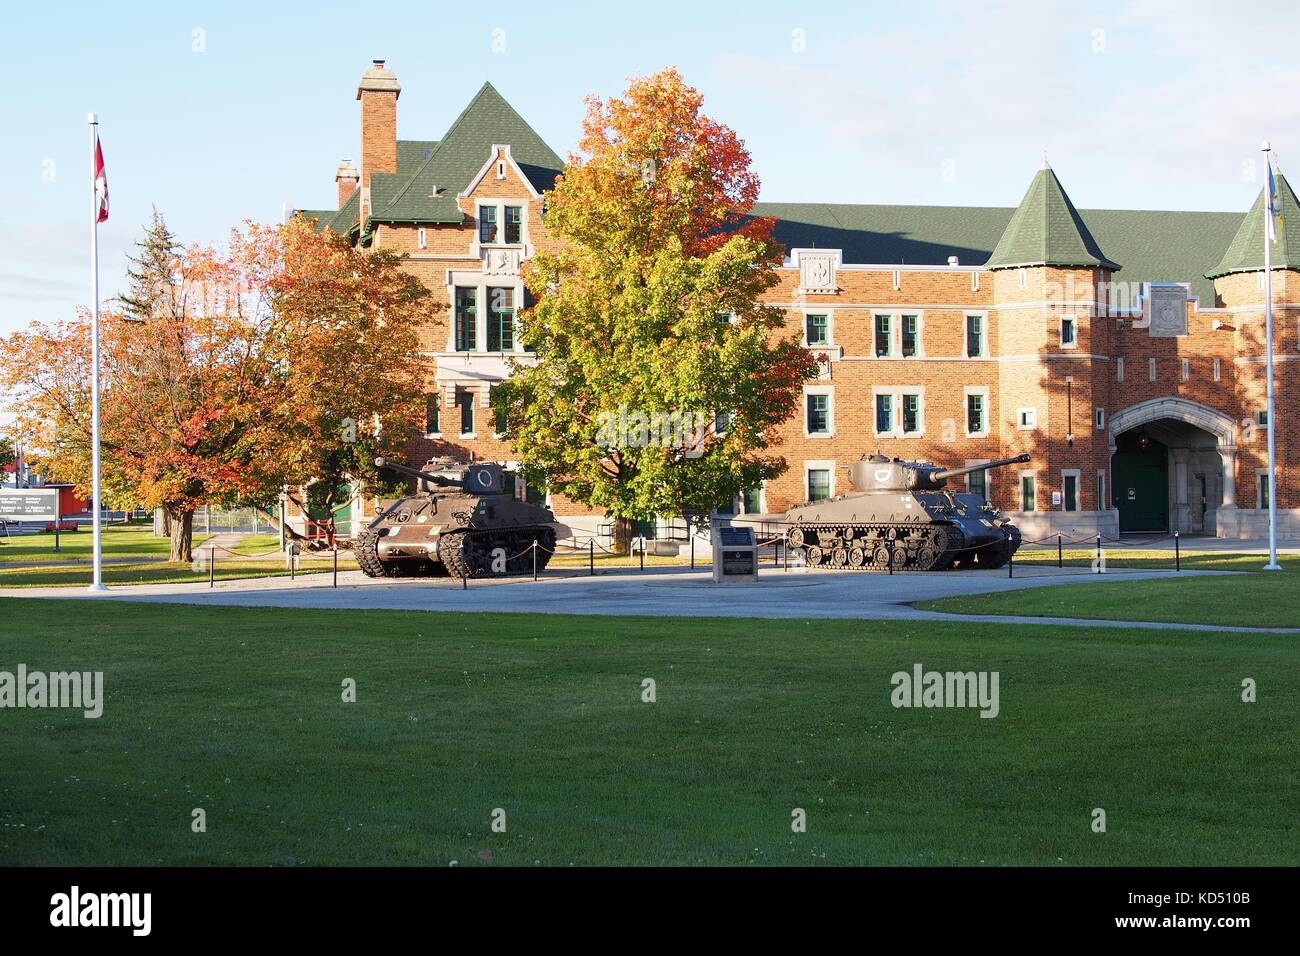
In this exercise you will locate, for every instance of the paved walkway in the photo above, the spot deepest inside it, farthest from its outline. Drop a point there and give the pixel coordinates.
(661, 592)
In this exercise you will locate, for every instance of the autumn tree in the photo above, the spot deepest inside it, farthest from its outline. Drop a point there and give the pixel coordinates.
(227, 375)
(660, 379)
(7, 453)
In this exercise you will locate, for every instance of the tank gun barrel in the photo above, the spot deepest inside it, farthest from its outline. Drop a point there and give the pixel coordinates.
(958, 472)
(418, 474)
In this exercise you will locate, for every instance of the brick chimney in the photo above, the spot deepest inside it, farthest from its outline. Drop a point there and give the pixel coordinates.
(347, 178)
(378, 92)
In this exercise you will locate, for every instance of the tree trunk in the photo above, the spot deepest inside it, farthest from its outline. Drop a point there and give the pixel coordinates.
(182, 536)
(167, 523)
(623, 528)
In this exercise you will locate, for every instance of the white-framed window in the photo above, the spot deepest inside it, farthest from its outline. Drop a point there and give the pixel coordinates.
(1028, 491)
(502, 222)
(752, 501)
(1151, 369)
(1070, 489)
(909, 335)
(1119, 370)
(976, 344)
(422, 238)
(977, 412)
(819, 411)
(899, 410)
(883, 335)
(1218, 370)
(977, 482)
(465, 409)
(485, 316)
(1069, 332)
(1099, 417)
(1026, 419)
(818, 328)
(1261, 417)
(1261, 488)
(1102, 504)
(819, 479)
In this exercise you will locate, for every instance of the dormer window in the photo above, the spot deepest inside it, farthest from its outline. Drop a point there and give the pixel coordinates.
(514, 225)
(487, 224)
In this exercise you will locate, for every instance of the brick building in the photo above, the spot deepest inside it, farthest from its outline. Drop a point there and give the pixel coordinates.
(1122, 349)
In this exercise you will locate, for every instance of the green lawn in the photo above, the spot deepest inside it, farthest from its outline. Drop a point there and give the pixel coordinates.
(164, 572)
(1151, 559)
(238, 711)
(119, 541)
(1261, 599)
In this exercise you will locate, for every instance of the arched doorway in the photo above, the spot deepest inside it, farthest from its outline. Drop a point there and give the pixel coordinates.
(1172, 467)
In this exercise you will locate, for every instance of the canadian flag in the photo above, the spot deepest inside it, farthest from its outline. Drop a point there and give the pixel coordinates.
(101, 185)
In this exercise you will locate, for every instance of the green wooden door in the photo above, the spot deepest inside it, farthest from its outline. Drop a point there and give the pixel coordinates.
(1141, 483)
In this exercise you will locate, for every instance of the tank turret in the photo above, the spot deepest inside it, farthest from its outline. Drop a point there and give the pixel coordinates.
(461, 521)
(903, 516)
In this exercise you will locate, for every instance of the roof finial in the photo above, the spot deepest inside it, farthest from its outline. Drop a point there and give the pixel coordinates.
(1046, 164)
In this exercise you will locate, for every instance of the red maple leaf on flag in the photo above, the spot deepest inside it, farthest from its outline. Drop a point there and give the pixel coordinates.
(101, 185)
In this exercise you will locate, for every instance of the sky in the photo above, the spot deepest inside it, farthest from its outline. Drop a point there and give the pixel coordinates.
(219, 112)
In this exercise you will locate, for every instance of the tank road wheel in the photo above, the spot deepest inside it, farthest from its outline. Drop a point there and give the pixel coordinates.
(366, 548)
(796, 538)
(839, 558)
(925, 558)
(449, 555)
(814, 556)
(857, 557)
(880, 557)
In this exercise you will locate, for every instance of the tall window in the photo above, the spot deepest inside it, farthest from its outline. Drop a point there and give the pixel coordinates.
(487, 223)
(884, 335)
(466, 319)
(975, 415)
(501, 320)
(911, 414)
(977, 483)
(1070, 489)
(884, 414)
(1262, 494)
(751, 501)
(819, 484)
(910, 326)
(514, 225)
(974, 336)
(818, 330)
(819, 414)
(466, 402)
(1068, 336)
(1028, 493)
(432, 408)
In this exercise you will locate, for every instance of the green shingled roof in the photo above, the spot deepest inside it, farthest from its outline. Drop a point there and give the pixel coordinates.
(1154, 245)
(1246, 251)
(1046, 230)
(456, 159)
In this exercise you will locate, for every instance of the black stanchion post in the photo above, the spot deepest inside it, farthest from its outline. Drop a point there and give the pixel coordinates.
(1178, 556)
(464, 577)
(534, 559)
(212, 567)
(1011, 561)
(643, 554)
(692, 552)
(1099, 554)
(58, 526)
(1060, 555)
(891, 556)
(591, 557)
(336, 564)
(786, 550)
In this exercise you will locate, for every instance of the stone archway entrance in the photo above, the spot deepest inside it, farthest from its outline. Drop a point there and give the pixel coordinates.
(1173, 467)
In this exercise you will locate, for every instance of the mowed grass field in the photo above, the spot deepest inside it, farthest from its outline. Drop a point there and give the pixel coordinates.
(239, 712)
(1255, 599)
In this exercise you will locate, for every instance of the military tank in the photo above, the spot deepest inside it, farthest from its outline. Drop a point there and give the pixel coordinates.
(903, 516)
(460, 522)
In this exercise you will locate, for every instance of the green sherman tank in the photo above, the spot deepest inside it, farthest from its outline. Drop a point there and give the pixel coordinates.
(902, 514)
(460, 522)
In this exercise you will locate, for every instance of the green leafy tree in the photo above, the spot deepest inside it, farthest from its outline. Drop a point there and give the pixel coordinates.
(660, 379)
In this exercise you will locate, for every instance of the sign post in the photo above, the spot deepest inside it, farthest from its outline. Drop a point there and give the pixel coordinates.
(31, 504)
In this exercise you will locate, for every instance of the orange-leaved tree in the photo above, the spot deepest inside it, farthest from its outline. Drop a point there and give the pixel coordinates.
(660, 378)
(288, 357)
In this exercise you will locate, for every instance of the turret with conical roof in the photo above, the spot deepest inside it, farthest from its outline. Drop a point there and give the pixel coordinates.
(1246, 251)
(1046, 230)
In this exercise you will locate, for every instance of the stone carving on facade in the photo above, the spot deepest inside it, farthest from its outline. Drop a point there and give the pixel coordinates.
(1166, 311)
(817, 272)
(501, 262)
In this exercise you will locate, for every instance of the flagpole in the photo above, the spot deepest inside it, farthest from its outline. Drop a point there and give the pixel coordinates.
(1269, 226)
(97, 579)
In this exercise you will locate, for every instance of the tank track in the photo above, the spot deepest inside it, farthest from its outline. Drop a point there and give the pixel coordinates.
(480, 545)
(366, 548)
(873, 547)
(993, 556)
